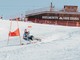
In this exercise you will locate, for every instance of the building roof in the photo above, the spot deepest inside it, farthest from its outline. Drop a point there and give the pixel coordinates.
(53, 12)
(68, 10)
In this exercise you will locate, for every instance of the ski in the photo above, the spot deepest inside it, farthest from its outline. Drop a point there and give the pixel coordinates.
(35, 40)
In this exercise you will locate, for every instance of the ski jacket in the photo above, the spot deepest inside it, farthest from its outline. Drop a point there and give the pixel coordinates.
(26, 35)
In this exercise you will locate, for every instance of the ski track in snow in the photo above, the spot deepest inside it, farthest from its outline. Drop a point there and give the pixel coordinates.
(58, 43)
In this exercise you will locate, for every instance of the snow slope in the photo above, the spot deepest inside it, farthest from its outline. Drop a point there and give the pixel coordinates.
(58, 42)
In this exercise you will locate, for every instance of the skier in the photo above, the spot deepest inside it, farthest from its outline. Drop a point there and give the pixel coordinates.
(26, 35)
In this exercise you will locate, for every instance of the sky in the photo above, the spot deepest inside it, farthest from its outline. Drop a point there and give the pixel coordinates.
(15, 8)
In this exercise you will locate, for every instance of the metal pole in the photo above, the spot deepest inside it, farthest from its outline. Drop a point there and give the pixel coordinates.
(19, 31)
(9, 31)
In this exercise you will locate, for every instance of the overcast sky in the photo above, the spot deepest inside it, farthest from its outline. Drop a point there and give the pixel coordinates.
(14, 8)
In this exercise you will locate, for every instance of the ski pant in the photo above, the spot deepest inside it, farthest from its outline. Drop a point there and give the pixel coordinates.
(28, 38)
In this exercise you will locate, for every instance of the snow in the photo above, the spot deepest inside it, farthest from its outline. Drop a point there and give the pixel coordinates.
(58, 42)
